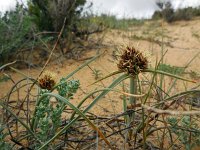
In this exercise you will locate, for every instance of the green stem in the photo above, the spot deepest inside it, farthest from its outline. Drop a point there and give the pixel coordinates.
(133, 89)
(168, 74)
(126, 118)
(132, 100)
(162, 59)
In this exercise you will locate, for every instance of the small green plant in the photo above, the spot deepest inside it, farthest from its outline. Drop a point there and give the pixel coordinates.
(4, 78)
(97, 74)
(196, 35)
(194, 75)
(47, 117)
(187, 131)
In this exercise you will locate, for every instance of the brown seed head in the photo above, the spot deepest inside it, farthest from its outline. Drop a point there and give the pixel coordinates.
(132, 61)
(47, 80)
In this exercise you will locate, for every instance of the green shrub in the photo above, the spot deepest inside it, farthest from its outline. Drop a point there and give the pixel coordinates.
(157, 15)
(168, 12)
(49, 15)
(16, 28)
(170, 15)
(20, 26)
(196, 11)
(184, 14)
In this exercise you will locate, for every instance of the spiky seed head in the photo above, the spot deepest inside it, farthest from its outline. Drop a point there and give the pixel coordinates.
(47, 80)
(132, 61)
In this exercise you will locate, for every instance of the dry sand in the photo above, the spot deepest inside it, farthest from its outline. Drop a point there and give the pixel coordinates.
(182, 45)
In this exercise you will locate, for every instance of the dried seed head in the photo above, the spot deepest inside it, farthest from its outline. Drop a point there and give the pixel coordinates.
(47, 80)
(132, 61)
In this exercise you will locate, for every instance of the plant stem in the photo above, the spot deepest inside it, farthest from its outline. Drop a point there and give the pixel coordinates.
(133, 89)
(132, 100)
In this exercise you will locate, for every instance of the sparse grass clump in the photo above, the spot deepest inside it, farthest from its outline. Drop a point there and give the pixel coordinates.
(113, 23)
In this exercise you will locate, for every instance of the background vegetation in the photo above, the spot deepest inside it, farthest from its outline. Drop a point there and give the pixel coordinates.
(28, 29)
(171, 15)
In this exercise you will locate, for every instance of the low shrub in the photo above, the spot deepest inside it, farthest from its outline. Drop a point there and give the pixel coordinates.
(171, 15)
(16, 28)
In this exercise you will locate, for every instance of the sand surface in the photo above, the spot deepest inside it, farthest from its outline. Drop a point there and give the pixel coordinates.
(181, 41)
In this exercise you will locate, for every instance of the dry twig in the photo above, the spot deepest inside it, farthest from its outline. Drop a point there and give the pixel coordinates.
(170, 112)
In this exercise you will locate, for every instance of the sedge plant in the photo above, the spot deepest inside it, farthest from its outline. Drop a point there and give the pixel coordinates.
(46, 125)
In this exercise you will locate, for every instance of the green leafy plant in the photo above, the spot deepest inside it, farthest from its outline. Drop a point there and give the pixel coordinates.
(47, 118)
(187, 131)
(97, 74)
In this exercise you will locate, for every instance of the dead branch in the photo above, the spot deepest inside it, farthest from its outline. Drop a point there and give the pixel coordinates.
(170, 112)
